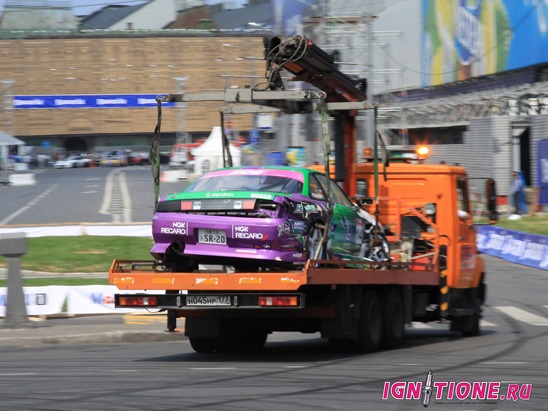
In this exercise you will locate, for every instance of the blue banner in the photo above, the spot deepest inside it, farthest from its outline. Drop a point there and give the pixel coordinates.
(514, 246)
(543, 171)
(87, 101)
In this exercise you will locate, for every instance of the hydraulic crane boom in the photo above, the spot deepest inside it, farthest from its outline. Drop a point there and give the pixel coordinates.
(301, 57)
(311, 64)
(342, 95)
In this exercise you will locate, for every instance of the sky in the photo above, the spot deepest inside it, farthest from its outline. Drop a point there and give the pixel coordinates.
(85, 7)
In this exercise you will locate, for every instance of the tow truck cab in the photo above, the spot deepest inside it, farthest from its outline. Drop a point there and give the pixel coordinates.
(423, 203)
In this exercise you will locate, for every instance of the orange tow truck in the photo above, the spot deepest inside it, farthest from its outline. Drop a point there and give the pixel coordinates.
(434, 272)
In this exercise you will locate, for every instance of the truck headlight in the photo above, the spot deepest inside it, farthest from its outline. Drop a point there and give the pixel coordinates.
(430, 209)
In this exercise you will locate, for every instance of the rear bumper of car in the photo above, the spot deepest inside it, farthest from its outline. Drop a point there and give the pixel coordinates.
(248, 238)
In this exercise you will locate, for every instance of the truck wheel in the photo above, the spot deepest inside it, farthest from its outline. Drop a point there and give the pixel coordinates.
(202, 345)
(369, 323)
(341, 345)
(469, 325)
(255, 341)
(393, 322)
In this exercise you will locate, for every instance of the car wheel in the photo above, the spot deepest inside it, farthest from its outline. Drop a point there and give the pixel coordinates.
(375, 248)
(316, 248)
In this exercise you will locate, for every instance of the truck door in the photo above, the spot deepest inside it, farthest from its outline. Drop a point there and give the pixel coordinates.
(466, 252)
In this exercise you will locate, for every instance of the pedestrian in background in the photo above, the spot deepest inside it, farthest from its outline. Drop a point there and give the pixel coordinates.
(517, 193)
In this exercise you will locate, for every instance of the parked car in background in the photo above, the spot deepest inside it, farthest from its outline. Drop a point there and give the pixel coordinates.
(137, 158)
(114, 159)
(72, 162)
(257, 218)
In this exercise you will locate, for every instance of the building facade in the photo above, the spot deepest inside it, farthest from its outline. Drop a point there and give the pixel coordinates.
(73, 68)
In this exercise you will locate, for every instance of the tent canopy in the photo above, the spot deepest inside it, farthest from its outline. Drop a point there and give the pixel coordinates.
(209, 155)
(8, 140)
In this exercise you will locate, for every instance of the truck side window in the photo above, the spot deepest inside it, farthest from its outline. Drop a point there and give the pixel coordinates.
(462, 197)
(361, 188)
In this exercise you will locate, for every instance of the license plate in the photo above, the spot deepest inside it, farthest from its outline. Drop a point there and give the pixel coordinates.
(211, 236)
(208, 301)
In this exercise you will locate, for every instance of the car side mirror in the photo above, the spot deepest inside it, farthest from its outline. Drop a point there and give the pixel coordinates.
(360, 200)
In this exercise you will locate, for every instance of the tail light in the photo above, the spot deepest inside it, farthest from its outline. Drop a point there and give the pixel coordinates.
(278, 301)
(137, 301)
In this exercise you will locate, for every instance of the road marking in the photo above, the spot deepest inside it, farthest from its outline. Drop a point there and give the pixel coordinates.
(17, 374)
(126, 198)
(213, 368)
(133, 319)
(29, 205)
(117, 200)
(108, 193)
(523, 316)
(425, 326)
(88, 192)
(420, 326)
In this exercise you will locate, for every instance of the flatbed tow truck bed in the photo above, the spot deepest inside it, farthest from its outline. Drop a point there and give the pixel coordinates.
(148, 275)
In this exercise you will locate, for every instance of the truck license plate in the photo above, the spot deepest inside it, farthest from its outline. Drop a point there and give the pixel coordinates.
(208, 236)
(208, 301)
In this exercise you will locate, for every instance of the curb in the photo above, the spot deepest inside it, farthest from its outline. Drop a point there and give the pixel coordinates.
(110, 337)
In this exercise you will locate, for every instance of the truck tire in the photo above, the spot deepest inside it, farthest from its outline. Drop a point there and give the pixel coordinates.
(393, 321)
(236, 339)
(469, 325)
(203, 345)
(369, 323)
(255, 341)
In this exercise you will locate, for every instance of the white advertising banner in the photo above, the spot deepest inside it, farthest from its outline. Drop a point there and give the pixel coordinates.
(50, 300)
(93, 299)
(46, 300)
(126, 230)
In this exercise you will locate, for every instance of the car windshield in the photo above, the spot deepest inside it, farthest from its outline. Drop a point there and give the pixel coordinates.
(275, 184)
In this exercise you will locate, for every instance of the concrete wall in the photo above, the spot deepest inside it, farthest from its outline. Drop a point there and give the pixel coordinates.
(486, 152)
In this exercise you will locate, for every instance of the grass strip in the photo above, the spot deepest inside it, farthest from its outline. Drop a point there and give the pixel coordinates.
(66, 256)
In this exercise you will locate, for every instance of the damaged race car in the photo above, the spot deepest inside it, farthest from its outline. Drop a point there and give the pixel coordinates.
(259, 218)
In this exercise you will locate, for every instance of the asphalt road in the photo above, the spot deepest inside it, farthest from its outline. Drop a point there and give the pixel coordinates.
(294, 372)
(83, 195)
(299, 372)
